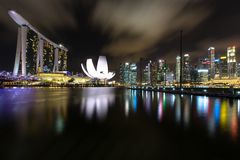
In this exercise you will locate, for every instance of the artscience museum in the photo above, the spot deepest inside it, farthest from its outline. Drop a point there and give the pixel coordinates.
(101, 72)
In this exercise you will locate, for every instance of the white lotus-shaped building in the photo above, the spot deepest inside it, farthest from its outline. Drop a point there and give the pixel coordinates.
(102, 69)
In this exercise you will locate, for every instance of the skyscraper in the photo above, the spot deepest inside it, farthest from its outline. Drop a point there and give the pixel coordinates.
(217, 68)
(128, 73)
(133, 74)
(231, 61)
(146, 75)
(223, 67)
(178, 67)
(203, 70)
(124, 73)
(211, 57)
(152, 71)
(186, 68)
(160, 70)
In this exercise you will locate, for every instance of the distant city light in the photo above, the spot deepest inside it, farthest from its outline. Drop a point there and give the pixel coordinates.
(203, 70)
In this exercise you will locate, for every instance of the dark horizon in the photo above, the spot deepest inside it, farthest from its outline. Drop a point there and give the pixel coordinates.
(125, 30)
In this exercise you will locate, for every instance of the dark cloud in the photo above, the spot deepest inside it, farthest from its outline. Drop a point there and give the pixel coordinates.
(145, 22)
(46, 14)
(125, 30)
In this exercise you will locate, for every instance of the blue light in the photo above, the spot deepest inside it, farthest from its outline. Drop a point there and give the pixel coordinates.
(135, 102)
(217, 108)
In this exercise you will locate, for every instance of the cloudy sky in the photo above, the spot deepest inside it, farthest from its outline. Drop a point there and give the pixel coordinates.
(124, 30)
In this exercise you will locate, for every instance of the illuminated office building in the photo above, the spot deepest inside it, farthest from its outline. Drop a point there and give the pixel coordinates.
(217, 68)
(128, 73)
(231, 61)
(124, 73)
(178, 68)
(203, 69)
(161, 70)
(152, 72)
(204, 63)
(186, 68)
(238, 69)
(169, 77)
(211, 57)
(146, 75)
(223, 67)
(133, 73)
(203, 75)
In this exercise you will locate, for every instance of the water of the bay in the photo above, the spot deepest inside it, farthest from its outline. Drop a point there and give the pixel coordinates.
(114, 123)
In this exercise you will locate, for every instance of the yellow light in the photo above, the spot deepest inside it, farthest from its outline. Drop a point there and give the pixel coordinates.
(223, 116)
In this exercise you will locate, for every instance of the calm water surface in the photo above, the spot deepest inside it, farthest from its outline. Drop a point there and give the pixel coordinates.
(110, 123)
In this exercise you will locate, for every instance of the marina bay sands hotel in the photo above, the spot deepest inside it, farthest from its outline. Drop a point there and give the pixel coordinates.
(36, 53)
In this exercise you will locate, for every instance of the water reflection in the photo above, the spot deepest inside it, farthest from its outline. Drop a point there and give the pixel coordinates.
(160, 109)
(131, 101)
(178, 110)
(34, 109)
(96, 101)
(186, 112)
(215, 115)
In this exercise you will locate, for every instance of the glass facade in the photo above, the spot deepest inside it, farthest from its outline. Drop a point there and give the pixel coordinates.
(31, 52)
(48, 57)
(211, 57)
(62, 60)
(186, 68)
(178, 66)
(128, 73)
(231, 60)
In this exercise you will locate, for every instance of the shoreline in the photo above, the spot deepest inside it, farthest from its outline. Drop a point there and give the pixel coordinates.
(53, 86)
(210, 92)
(233, 93)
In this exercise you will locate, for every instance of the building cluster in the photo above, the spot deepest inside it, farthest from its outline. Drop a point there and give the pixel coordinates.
(211, 67)
(145, 72)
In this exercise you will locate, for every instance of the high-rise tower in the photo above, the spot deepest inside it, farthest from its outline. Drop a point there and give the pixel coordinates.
(231, 61)
(211, 57)
(178, 68)
(128, 73)
(186, 68)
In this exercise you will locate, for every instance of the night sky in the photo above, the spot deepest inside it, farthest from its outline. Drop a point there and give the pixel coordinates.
(124, 30)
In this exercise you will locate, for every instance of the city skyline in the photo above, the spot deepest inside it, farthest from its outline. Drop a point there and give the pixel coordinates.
(86, 37)
(119, 79)
(37, 54)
